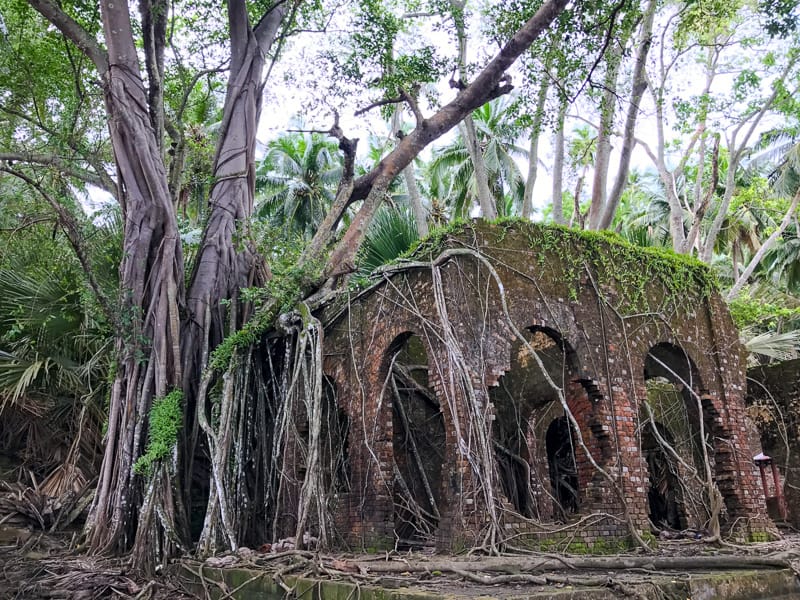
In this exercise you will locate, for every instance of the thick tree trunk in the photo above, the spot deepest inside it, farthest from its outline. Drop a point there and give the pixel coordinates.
(226, 261)
(151, 278)
(222, 269)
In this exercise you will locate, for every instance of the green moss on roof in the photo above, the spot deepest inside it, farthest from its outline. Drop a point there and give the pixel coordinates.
(570, 255)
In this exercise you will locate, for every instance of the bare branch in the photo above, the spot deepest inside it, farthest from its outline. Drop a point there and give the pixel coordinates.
(377, 104)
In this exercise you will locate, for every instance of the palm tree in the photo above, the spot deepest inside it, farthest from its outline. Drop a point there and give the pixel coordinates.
(642, 217)
(56, 352)
(391, 233)
(452, 173)
(296, 181)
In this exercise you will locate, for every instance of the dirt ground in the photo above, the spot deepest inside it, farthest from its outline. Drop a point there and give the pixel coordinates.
(43, 566)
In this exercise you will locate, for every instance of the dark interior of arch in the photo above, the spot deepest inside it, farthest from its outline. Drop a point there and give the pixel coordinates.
(673, 364)
(524, 395)
(562, 467)
(418, 444)
(668, 363)
(336, 441)
(664, 492)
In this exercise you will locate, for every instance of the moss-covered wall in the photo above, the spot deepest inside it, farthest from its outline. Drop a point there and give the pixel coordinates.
(606, 303)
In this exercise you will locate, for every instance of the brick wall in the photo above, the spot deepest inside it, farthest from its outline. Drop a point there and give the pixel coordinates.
(604, 385)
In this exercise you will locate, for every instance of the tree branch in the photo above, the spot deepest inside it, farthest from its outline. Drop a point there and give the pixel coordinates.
(72, 231)
(73, 31)
(267, 27)
(485, 87)
(377, 104)
(51, 160)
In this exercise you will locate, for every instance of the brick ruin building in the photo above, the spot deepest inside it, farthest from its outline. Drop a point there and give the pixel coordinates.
(773, 397)
(527, 385)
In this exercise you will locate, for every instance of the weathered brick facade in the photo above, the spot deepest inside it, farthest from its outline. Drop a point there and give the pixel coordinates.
(595, 343)
(773, 393)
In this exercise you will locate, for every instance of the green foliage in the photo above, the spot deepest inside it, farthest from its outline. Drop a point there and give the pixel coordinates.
(381, 56)
(782, 16)
(166, 418)
(392, 232)
(452, 174)
(703, 20)
(752, 312)
(296, 181)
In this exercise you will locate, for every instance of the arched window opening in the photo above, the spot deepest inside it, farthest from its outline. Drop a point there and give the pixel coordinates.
(417, 442)
(336, 441)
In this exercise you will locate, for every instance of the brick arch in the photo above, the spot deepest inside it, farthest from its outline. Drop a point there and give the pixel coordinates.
(672, 361)
(526, 406)
(420, 436)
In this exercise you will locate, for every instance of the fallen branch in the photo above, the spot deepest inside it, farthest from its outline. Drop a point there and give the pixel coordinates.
(604, 563)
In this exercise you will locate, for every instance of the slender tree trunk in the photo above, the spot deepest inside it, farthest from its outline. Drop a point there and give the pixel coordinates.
(533, 151)
(420, 215)
(768, 243)
(468, 132)
(735, 152)
(485, 197)
(154, 30)
(558, 164)
(414, 197)
(604, 132)
(628, 138)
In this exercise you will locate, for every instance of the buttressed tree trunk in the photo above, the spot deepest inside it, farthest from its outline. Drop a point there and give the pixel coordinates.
(151, 276)
(124, 516)
(224, 265)
(222, 269)
(151, 283)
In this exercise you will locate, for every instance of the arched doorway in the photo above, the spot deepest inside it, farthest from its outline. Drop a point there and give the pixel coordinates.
(418, 438)
(664, 492)
(676, 439)
(534, 453)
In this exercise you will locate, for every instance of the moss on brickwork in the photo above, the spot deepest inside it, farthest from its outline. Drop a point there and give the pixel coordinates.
(575, 258)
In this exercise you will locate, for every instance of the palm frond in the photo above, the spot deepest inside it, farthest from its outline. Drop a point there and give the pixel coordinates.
(777, 346)
(391, 233)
